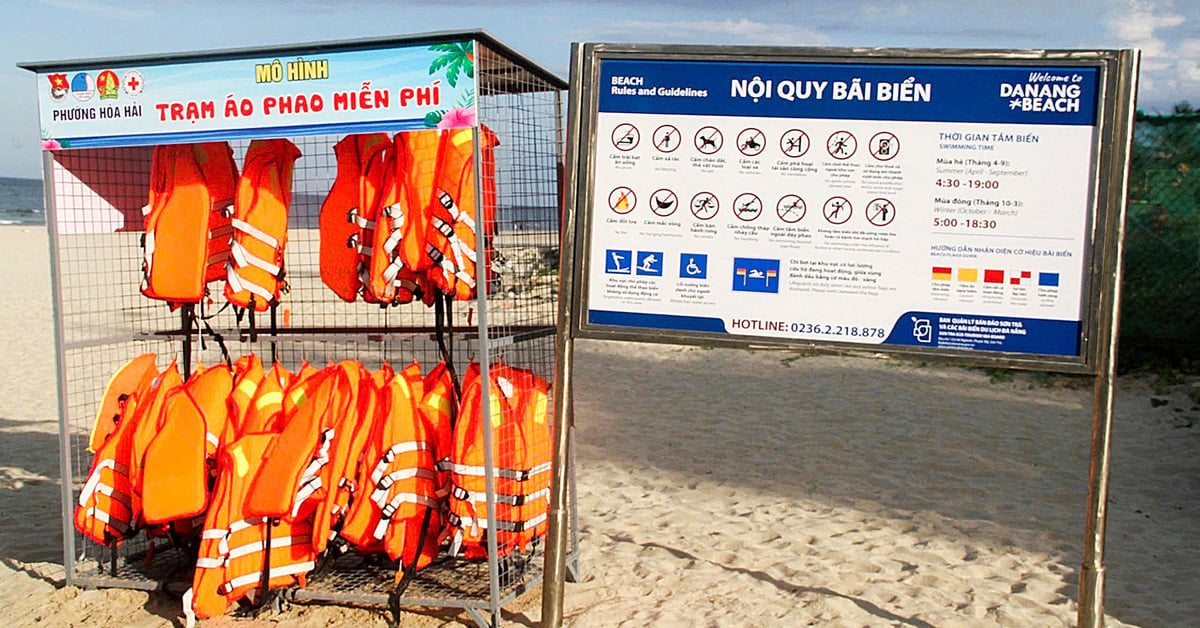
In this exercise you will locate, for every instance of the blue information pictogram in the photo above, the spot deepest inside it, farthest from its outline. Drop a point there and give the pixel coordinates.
(618, 262)
(693, 266)
(650, 263)
(755, 275)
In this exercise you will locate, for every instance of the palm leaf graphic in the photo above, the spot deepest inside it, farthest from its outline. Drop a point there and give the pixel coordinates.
(455, 58)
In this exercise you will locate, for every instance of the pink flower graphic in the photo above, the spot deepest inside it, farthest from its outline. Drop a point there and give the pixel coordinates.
(51, 145)
(457, 118)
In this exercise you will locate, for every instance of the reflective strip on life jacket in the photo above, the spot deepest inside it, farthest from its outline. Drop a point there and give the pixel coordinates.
(264, 195)
(234, 544)
(451, 236)
(521, 469)
(508, 500)
(481, 523)
(517, 475)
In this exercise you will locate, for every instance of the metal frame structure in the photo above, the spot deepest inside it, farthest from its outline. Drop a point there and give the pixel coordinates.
(1110, 154)
(101, 320)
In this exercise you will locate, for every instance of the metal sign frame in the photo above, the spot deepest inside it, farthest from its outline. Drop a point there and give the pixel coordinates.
(1111, 140)
(1106, 188)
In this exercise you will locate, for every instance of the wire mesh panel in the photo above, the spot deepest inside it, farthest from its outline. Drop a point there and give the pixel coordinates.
(506, 330)
(1160, 294)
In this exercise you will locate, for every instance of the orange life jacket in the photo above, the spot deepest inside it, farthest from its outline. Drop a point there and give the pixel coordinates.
(345, 227)
(303, 449)
(375, 182)
(521, 458)
(451, 235)
(332, 485)
(120, 392)
(187, 220)
(110, 507)
(438, 408)
(174, 481)
(264, 195)
(265, 413)
(147, 420)
(235, 547)
(387, 281)
(363, 514)
(397, 257)
(248, 375)
(403, 480)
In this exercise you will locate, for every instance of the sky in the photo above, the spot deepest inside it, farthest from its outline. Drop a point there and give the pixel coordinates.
(1166, 31)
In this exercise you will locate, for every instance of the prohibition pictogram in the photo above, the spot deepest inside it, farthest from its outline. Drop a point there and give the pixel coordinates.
(794, 143)
(622, 200)
(626, 136)
(884, 146)
(881, 212)
(663, 202)
(837, 210)
(751, 142)
(666, 138)
(704, 205)
(747, 206)
(709, 140)
(841, 145)
(790, 208)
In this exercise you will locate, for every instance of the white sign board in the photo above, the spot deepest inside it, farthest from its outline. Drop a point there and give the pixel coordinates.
(935, 205)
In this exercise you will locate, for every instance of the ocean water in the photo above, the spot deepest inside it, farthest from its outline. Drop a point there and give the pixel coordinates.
(21, 202)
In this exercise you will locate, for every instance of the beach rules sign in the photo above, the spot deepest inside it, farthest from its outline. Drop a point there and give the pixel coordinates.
(930, 202)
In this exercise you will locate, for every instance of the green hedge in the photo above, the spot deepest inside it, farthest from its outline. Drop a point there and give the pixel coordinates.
(1160, 293)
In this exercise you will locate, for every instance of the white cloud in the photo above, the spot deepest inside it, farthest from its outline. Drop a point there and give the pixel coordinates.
(1169, 71)
(741, 31)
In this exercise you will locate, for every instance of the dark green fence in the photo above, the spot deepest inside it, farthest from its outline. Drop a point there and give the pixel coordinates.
(1160, 298)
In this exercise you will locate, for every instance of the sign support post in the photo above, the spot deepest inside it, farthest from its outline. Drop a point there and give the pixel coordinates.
(960, 205)
(1091, 573)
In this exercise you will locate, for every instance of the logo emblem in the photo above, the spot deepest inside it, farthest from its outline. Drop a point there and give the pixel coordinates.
(83, 86)
(134, 83)
(59, 86)
(108, 85)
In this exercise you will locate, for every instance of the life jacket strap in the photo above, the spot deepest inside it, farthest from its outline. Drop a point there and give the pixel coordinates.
(222, 534)
(402, 447)
(101, 515)
(476, 523)
(221, 231)
(94, 478)
(235, 282)
(243, 258)
(114, 494)
(356, 218)
(392, 506)
(247, 549)
(379, 495)
(519, 475)
(276, 572)
(254, 232)
(456, 213)
(509, 500)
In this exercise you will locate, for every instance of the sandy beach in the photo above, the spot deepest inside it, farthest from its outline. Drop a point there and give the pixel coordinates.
(743, 488)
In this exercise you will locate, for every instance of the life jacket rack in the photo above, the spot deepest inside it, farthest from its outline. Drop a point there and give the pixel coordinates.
(95, 196)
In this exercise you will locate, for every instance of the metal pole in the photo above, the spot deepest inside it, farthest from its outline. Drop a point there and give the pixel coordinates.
(555, 568)
(485, 387)
(67, 481)
(1091, 574)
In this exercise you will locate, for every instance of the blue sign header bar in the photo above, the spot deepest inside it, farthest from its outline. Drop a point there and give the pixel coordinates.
(918, 93)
